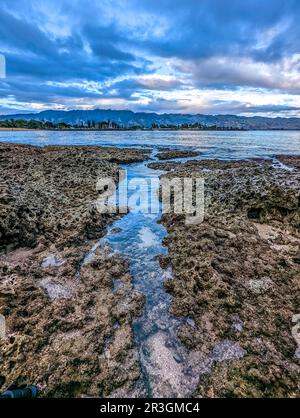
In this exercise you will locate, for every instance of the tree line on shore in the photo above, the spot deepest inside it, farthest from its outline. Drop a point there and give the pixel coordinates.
(105, 125)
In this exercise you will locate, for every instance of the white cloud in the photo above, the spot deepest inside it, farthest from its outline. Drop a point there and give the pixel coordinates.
(238, 71)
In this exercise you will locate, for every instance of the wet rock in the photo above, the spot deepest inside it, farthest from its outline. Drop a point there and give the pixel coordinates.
(50, 189)
(166, 166)
(227, 350)
(237, 324)
(55, 290)
(165, 370)
(171, 154)
(60, 312)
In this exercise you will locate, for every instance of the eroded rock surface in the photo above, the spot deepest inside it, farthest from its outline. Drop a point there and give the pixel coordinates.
(44, 191)
(166, 166)
(168, 154)
(237, 276)
(68, 329)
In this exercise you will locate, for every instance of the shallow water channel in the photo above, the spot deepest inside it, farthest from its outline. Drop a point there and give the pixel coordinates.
(168, 369)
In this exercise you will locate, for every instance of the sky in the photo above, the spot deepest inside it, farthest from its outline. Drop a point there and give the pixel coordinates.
(164, 56)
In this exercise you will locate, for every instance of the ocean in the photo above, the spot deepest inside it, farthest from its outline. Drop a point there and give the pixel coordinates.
(212, 144)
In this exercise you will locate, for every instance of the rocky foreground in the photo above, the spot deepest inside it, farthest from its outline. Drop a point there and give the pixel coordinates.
(235, 285)
(236, 277)
(68, 330)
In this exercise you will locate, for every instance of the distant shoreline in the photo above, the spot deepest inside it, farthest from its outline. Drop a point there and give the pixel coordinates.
(125, 119)
(18, 129)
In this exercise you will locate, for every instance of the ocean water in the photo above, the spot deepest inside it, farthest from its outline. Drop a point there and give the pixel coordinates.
(212, 144)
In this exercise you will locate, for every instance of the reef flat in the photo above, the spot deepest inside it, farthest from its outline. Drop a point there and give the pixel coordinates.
(236, 276)
(67, 329)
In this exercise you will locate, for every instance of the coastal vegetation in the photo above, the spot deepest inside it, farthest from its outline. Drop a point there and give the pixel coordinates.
(103, 125)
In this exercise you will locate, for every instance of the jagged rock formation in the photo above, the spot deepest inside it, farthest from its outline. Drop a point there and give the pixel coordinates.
(237, 276)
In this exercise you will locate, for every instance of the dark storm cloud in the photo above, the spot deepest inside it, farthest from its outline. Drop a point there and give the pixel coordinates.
(206, 28)
(30, 52)
(104, 42)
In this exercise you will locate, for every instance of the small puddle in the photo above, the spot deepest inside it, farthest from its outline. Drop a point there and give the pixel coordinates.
(52, 261)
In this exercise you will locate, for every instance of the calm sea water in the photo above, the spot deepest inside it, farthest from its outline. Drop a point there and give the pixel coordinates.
(215, 144)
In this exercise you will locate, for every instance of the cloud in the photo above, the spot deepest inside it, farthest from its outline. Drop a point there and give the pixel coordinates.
(144, 84)
(227, 72)
(242, 108)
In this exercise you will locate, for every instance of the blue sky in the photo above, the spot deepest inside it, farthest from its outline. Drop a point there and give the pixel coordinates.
(181, 56)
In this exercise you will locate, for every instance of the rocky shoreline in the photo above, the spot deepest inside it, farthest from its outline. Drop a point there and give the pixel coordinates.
(169, 154)
(235, 283)
(68, 330)
(236, 276)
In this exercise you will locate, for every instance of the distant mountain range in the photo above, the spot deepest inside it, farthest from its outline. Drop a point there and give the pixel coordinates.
(127, 119)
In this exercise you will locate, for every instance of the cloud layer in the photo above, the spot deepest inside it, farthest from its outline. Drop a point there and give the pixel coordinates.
(208, 56)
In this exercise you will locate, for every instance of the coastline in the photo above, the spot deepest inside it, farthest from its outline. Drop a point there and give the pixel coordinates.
(67, 330)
